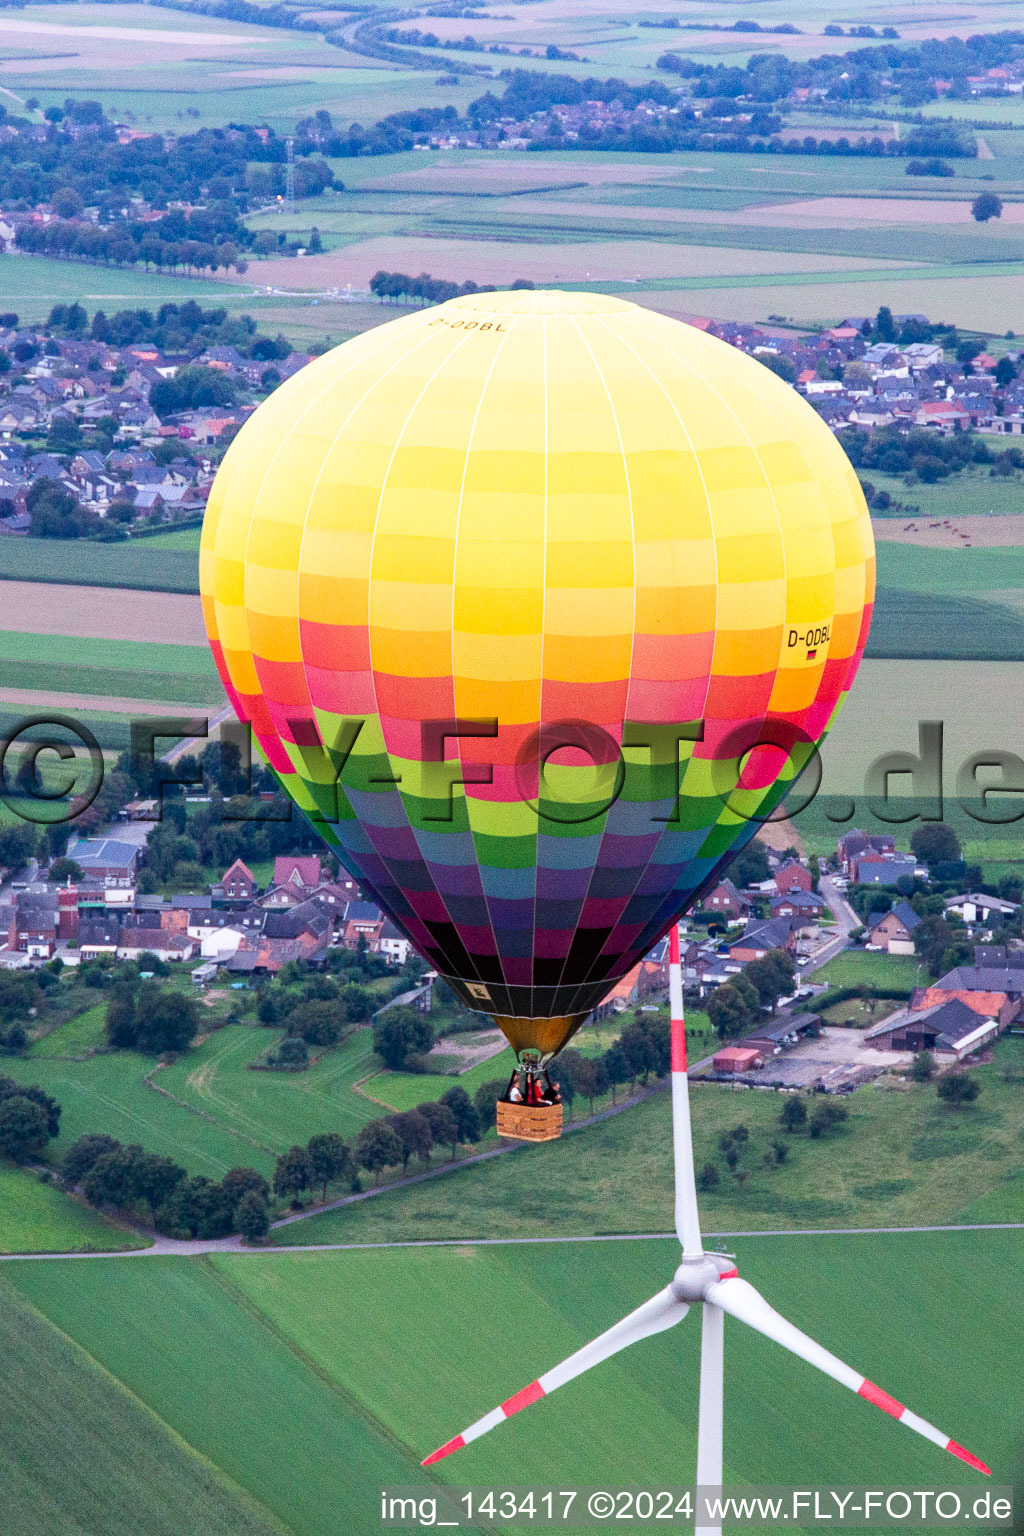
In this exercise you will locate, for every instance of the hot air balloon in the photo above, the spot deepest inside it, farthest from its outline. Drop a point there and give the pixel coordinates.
(537, 603)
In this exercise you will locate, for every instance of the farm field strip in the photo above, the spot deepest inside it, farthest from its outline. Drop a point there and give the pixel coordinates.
(292, 1444)
(82, 1456)
(39, 1218)
(109, 1093)
(615, 1176)
(273, 1110)
(87, 611)
(301, 1325)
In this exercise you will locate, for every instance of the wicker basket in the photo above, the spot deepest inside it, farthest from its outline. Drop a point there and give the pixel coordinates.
(529, 1122)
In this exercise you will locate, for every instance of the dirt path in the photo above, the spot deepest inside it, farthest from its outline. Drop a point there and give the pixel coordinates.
(46, 698)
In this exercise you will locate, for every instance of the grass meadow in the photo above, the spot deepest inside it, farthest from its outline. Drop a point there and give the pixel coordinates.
(236, 1389)
(81, 1034)
(311, 1380)
(273, 1110)
(901, 1159)
(39, 1218)
(109, 1093)
(83, 1456)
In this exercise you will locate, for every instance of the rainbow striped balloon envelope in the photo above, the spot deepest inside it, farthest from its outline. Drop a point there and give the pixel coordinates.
(537, 604)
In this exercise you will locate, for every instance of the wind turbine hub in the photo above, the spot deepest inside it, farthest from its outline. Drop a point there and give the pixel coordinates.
(694, 1275)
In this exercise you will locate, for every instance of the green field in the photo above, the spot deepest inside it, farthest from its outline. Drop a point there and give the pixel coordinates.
(968, 495)
(109, 1093)
(32, 283)
(111, 669)
(938, 625)
(175, 538)
(235, 1390)
(272, 1110)
(404, 1090)
(902, 1159)
(857, 965)
(311, 1380)
(80, 563)
(85, 1032)
(39, 1218)
(920, 568)
(83, 1457)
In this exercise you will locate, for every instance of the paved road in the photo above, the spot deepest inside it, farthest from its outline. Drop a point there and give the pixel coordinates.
(846, 919)
(165, 1247)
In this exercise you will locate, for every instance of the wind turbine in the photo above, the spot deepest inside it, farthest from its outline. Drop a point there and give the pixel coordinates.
(712, 1281)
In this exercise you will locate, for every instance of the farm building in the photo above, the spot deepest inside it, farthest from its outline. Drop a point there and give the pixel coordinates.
(894, 931)
(105, 858)
(777, 1037)
(950, 1030)
(984, 1003)
(737, 1058)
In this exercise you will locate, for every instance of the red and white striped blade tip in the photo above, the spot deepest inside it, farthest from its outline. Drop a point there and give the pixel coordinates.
(902, 1414)
(443, 1451)
(514, 1404)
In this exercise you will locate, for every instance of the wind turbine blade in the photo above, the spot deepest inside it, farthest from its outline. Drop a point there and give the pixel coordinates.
(742, 1301)
(709, 1423)
(687, 1218)
(661, 1312)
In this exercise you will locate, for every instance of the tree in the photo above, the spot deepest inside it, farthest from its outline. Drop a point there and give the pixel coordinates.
(1005, 372)
(614, 1060)
(485, 1101)
(112, 1178)
(292, 1174)
(957, 1089)
(986, 206)
(750, 866)
(778, 363)
(922, 1068)
(166, 1019)
(9, 1089)
(398, 1033)
(462, 1107)
(728, 1011)
(66, 203)
(794, 1115)
(62, 870)
(935, 843)
(154, 1178)
(377, 1147)
(770, 976)
(932, 938)
(328, 1158)
(413, 1131)
(444, 1128)
(591, 1078)
(122, 1028)
(238, 1182)
(885, 325)
(707, 1178)
(252, 1218)
(82, 1155)
(826, 1117)
(317, 1022)
(23, 1129)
